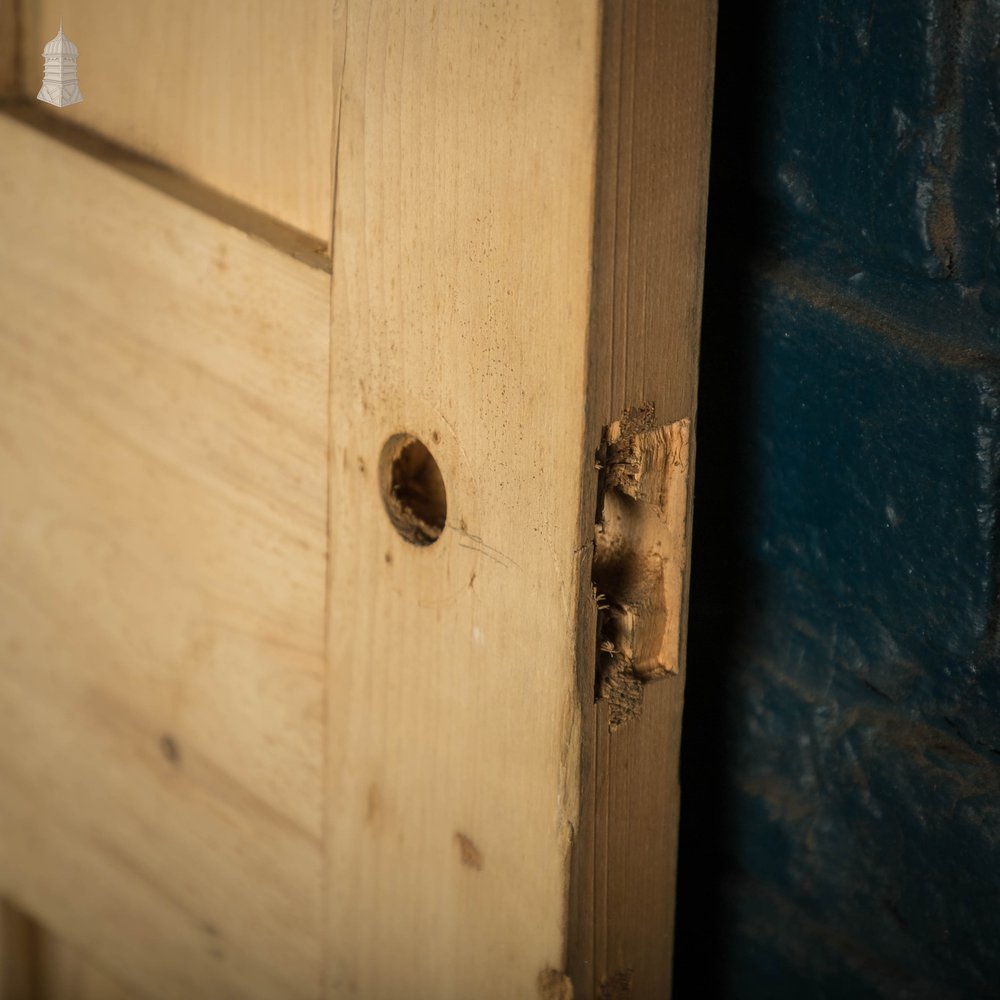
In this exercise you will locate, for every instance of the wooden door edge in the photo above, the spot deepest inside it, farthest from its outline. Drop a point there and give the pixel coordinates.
(657, 66)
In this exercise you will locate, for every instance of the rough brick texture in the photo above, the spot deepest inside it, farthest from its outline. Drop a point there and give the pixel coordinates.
(841, 758)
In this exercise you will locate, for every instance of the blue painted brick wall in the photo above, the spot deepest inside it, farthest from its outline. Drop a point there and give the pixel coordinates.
(841, 756)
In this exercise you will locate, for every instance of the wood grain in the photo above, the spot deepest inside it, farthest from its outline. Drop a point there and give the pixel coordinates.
(464, 216)
(67, 974)
(652, 184)
(237, 95)
(10, 46)
(163, 381)
(281, 749)
(36, 965)
(194, 194)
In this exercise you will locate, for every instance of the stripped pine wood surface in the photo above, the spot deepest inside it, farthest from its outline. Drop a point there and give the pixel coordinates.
(276, 747)
(163, 380)
(236, 95)
(68, 974)
(461, 281)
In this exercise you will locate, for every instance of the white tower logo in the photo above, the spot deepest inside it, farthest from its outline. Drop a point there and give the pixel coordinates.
(60, 85)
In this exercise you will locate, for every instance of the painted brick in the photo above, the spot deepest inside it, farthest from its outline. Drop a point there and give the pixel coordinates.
(876, 122)
(841, 754)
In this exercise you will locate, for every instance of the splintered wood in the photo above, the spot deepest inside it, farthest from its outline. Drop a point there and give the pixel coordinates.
(640, 555)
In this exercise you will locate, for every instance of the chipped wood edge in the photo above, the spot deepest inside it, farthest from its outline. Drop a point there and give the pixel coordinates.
(641, 543)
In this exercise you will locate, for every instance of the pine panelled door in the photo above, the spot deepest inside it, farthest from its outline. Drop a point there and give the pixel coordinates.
(348, 355)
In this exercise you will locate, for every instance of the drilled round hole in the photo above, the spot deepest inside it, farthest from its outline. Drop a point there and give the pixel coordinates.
(412, 489)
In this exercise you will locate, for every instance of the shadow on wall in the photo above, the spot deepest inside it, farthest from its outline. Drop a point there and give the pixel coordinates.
(840, 820)
(722, 591)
